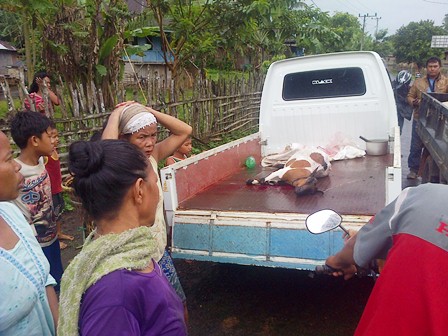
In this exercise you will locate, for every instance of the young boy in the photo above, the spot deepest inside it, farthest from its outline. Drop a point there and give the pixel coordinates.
(53, 167)
(183, 152)
(31, 132)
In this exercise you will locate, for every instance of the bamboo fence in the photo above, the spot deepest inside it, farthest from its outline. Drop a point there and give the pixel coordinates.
(212, 108)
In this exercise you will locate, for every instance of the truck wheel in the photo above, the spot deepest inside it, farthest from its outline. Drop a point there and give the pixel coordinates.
(430, 172)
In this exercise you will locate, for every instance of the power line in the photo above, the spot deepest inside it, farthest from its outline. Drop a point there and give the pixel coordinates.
(376, 29)
(365, 16)
(315, 4)
(347, 6)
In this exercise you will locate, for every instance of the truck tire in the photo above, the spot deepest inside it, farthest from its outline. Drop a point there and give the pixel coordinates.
(430, 171)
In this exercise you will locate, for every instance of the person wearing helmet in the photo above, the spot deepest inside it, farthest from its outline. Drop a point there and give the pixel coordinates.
(401, 86)
(434, 81)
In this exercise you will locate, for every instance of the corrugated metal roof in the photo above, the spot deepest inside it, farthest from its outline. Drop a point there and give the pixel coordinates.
(6, 46)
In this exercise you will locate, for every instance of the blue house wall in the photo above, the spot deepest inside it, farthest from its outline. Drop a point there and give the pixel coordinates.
(154, 55)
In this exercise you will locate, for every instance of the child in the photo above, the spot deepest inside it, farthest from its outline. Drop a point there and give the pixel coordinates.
(181, 153)
(53, 167)
(36, 92)
(32, 133)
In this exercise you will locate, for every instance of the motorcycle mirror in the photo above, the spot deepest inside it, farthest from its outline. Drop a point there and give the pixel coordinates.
(322, 221)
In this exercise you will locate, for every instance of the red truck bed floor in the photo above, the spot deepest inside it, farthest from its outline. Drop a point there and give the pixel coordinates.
(355, 187)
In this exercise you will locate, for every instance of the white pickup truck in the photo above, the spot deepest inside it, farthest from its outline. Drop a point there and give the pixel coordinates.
(215, 216)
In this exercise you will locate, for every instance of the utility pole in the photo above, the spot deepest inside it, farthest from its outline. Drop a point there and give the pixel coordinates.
(364, 26)
(376, 29)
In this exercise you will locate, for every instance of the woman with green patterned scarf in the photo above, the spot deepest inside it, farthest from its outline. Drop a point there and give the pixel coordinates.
(113, 286)
(138, 124)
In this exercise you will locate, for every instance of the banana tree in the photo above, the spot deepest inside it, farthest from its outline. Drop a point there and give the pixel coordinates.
(84, 43)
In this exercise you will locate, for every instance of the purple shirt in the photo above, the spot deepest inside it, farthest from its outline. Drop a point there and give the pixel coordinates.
(132, 303)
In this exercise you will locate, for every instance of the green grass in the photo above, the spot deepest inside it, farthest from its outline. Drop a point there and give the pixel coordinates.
(4, 107)
(68, 202)
(140, 95)
(18, 106)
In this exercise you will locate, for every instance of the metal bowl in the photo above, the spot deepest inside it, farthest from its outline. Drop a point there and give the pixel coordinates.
(376, 147)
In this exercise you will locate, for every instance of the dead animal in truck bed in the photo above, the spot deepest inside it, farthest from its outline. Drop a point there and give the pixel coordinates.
(301, 171)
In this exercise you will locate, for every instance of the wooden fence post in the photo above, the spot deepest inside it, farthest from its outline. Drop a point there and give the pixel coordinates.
(47, 102)
(7, 93)
(74, 95)
(100, 95)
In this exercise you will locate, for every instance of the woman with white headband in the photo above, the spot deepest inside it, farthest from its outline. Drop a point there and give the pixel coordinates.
(138, 124)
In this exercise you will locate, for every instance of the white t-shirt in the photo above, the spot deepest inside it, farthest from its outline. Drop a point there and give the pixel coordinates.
(36, 204)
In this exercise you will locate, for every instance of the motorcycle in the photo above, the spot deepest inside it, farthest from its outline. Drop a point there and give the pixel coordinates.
(326, 220)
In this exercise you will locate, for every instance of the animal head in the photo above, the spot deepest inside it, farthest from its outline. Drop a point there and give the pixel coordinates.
(306, 185)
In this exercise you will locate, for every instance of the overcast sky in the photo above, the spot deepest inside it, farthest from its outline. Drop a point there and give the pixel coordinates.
(393, 13)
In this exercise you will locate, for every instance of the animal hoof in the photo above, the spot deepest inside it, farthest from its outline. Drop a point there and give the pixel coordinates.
(252, 182)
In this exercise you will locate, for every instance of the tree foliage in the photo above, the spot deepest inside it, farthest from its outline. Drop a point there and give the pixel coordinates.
(31, 17)
(348, 31)
(445, 23)
(11, 28)
(314, 32)
(413, 42)
(383, 43)
(222, 32)
(84, 41)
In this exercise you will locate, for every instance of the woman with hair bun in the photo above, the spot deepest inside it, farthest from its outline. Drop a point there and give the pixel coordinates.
(113, 286)
(137, 124)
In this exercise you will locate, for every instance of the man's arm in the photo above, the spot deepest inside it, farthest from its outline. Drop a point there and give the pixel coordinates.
(413, 96)
(372, 241)
(343, 261)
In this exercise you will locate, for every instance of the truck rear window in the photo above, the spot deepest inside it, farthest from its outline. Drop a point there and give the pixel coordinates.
(326, 83)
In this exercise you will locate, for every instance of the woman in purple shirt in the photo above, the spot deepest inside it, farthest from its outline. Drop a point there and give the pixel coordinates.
(113, 286)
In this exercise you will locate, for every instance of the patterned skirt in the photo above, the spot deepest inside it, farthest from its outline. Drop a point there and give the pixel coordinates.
(167, 266)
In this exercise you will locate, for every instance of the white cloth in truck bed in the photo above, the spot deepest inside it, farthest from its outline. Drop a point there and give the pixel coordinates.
(339, 148)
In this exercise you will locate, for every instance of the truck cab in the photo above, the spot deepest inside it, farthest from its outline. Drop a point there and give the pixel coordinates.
(309, 99)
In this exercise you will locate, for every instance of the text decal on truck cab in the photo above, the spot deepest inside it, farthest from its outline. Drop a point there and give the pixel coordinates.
(322, 81)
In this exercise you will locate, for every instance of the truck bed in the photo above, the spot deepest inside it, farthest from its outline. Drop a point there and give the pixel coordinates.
(355, 187)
